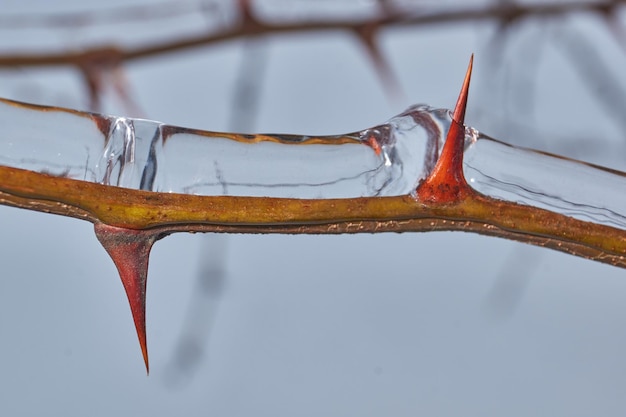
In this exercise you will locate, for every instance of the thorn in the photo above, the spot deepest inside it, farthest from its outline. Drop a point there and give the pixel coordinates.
(373, 143)
(446, 182)
(93, 84)
(249, 22)
(94, 66)
(130, 251)
(461, 102)
(367, 35)
(122, 86)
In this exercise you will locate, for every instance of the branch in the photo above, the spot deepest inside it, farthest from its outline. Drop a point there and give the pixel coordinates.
(122, 193)
(251, 26)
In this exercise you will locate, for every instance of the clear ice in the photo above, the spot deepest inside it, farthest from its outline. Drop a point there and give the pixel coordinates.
(390, 159)
(385, 160)
(573, 188)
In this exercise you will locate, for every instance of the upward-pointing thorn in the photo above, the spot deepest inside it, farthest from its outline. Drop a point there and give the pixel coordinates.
(461, 102)
(446, 182)
(130, 251)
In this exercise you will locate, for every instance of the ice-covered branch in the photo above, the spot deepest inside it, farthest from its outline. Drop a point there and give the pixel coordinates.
(423, 170)
(142, 174)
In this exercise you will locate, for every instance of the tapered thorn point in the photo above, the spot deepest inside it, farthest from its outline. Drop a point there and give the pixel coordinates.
(130, 251)
(461, 103)
(446, 182)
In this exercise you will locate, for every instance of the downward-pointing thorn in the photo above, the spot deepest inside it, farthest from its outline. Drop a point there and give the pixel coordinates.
(446, 182)
(130, 251)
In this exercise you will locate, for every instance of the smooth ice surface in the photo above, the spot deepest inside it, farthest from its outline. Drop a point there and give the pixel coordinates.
(561, 185)
(386, 160)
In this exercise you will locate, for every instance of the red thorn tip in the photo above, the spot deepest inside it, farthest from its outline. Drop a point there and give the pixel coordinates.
(446, 183)
(461, 102)
(130, 251)
(373, 143)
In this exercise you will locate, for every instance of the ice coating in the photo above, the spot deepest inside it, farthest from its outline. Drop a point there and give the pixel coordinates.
(386, 160)
(575, 189)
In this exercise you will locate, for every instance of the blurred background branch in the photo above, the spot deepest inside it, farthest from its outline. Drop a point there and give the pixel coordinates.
(226, 21)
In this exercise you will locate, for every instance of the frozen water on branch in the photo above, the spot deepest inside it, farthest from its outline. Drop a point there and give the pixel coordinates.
(575, 189)
(386, 160)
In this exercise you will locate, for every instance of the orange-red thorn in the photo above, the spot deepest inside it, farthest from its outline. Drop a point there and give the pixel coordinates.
(446, 182)
(130, 251)
(373, 143)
